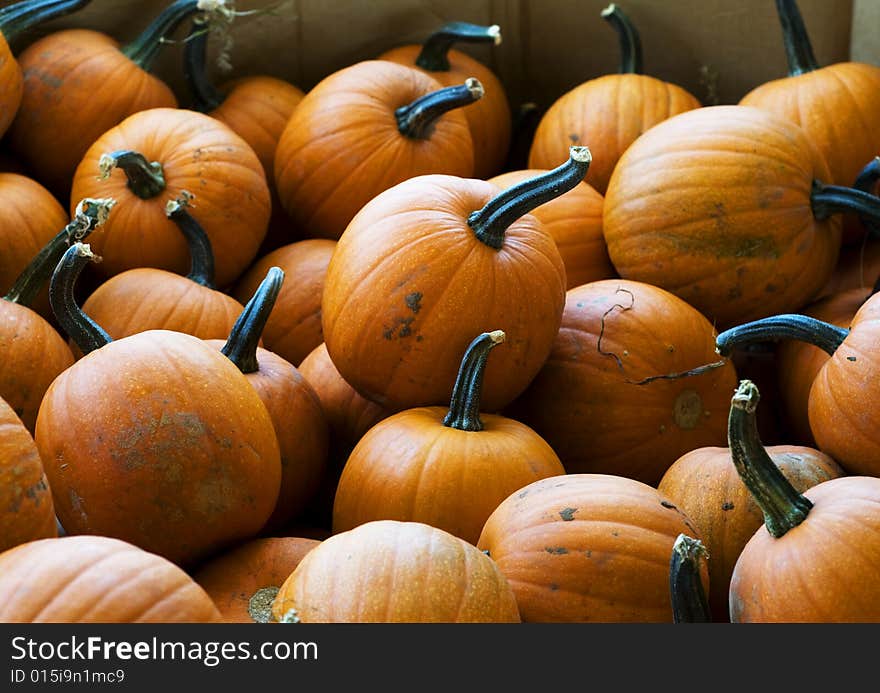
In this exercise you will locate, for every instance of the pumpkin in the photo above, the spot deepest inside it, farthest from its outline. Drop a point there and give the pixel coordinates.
(362, 130)
(614, 395)
(705, 484)
(816, 558)
(157, 154)
(156, 439)
(575, 222)
(31, 217)
(832, 104)
(244, 580)
(844, 389)
(489, 119)
(26, 509)
(16, 19)
(448, 468)
(156, 299)
(689, 601)
(608, 113)
(294, 326)
(425, 265)
(728, 208)
(587, 548)
(293, 406)
(79, 83)
(97, 579)
(395, 572)
(33, 350)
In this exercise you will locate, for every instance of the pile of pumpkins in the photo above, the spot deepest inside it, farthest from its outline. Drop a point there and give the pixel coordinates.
(277, 356)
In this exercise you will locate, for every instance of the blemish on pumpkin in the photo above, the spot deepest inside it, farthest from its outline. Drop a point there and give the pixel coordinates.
(687, 409)
(553, 587)
(850, 358)
(567, 514)
(667, 504)
(574, 137)
(556, 550)
(771, 288)
(413, 301)
(727, 505)
(260, 604)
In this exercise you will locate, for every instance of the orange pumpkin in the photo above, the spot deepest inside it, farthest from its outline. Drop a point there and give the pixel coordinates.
(157, 154)
(97, 579)
(362, 130)
(489, 119)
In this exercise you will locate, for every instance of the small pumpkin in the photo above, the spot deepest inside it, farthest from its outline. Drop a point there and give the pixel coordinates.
(489, 119)
(448, 468)
(395, 572)
(97, 579)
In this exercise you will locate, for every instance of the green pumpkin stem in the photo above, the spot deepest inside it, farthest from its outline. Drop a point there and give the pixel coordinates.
(84, 331)
(146, 179)
(630, 42)
(783, 506)
(490, 222)
(826, 200)
(464, 409)
(200, 251)
(205, 96)
(689, 602)
(416, 120)
(89, 215)
(244, 338)
(798, 49)
(824, 335)
(19, 17)
(434, 56)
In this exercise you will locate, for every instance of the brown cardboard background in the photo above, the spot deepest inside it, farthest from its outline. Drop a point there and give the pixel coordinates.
(549, 46)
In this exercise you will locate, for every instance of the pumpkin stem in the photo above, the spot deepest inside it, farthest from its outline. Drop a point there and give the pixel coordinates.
(205, 96)
(200, 251)
(146, 179)
(416, 120)
(798, 48)
(490, 222)
(89, 215)
(464, 409)
(23, 16)
(786, 326)
(866, 181)
(826, 200)
(630, 42)
(434, 56)
(689, 603)
(144, 49)
(244, 338)
(84, 331)
(782, 505)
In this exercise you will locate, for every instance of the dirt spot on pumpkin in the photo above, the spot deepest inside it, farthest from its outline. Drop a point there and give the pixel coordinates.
(727, 505)
(556, 550)
(687, 409)
(567, 514)
(413, 301)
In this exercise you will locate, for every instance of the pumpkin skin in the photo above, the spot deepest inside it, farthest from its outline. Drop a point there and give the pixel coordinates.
(97, 579)
(575, 222)
(26, 509)
(395, 572)
(587, 547)
(11, 85)
(410, 284)
(243, 581)
(705, 485)
(342, 147)
(738, 241)
(591, 410)
(198, 154)
(294, 326)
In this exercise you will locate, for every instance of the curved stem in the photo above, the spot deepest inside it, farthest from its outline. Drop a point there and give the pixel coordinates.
(826, 200)
(244, 338)
(786, 326)
(490, 222)
(416, 120)
(866, 181)
(205, 96)
(782, 505)
(84, 331)
(146, 179)
(630, 43)
(89, 215)
(464, 409)
(200, 251)
(689, 602)
(434, 55)
(22, 16)
(798, 49)
(144, 49)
